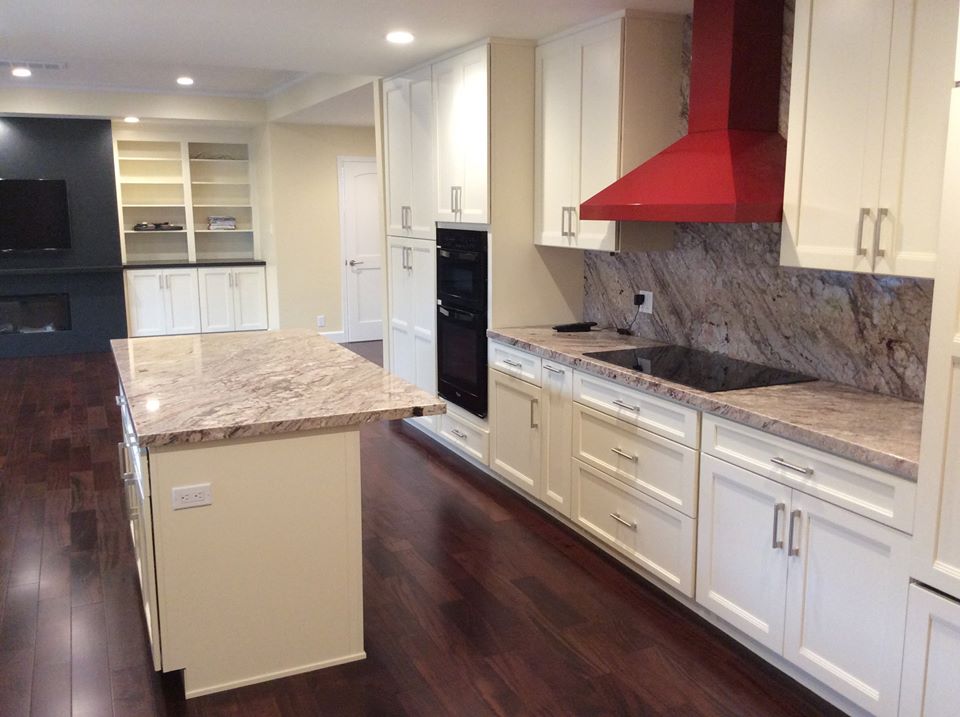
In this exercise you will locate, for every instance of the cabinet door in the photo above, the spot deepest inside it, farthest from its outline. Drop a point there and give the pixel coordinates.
(422, 256)
(401, 310)
(423, 198)
(515, 431)
(145, 302)
(929, 687)
(741, 554)
(473, 203)
(557, 413)
(835, 144)
(181, 300)
(558, 139)
(250, 298)
(216, 299)
(397, 152)
(847, 602)
(599, 131)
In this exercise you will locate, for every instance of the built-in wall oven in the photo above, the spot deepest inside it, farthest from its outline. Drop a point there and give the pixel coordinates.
(462, 317)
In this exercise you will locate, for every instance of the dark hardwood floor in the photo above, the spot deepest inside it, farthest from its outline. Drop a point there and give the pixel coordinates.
(476, 603)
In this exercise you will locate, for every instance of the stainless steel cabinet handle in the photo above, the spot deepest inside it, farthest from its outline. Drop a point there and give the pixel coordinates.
(623, 404)
(459, 434)
(799, 469)
(864, 213)
(129, 484)
(453, 200)
(534, 423)
(573, 214)
(514, 364)
(881, 213)
(160, 277)
(624, 454)
(563, 222)
(777, 510)
(118, 399)
(791, 548)
(354, 262)
(627, 523)
(122, 459)
(551, 369)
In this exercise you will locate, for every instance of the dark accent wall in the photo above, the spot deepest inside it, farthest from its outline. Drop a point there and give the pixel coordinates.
(79, 151)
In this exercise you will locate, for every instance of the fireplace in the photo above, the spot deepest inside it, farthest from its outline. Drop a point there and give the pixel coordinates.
(34, 313)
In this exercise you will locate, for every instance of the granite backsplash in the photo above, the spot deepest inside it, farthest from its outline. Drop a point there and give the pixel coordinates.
(721, 289)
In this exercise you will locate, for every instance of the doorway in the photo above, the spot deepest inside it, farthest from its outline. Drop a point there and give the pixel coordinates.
(361, 249)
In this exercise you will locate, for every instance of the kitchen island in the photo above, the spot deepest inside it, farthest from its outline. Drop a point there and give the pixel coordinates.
(241, 464)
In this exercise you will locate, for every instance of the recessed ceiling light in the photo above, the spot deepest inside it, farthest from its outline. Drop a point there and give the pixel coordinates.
(185, 81)
(131, 119)
(400, 37)
(21, 72)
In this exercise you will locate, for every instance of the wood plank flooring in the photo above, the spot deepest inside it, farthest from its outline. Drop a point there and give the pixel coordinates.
(475, 602)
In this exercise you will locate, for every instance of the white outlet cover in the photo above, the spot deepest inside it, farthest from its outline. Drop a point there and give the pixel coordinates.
(192, 496)
(321, 321)
(647, 306)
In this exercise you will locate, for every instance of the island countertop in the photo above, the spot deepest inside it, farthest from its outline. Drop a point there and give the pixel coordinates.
(876, 430)
(209, 387)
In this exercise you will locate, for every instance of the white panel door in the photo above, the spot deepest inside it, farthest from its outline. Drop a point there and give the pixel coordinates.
(599, 131)
(361, 247)
(741, 553)
(515, 431)
(450, 137)
(216, 299)
(931, 656)
(181, 301)
(422, 257)
(556, 395)
(558, 139)
(423, 199)
(401, 310)
(398, 160)
(145, 302)
(250, 298)
(846, 602)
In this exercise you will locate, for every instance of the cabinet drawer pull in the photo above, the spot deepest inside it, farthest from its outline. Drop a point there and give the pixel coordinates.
(864, 213)
(534, 403)
(627, 523)
(624, 454)
(777, 510)
(514, 364)
(122, 459)
(459, 434)
(624, 404)
(881, 213)
(799, 469)
(791, 548)
(551, 369)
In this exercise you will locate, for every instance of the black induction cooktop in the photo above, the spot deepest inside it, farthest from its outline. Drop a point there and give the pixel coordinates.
(698, 369)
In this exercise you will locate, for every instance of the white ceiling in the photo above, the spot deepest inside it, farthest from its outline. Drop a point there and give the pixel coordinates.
(254, 48)
(350, 109)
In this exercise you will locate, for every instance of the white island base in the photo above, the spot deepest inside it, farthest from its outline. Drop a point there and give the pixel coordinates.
(267, 580)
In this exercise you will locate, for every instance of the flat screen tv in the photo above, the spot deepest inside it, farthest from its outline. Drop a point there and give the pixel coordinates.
(33, 215)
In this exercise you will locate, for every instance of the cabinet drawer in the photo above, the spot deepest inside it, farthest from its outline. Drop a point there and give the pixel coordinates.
(665, 418)
(661, 468)
(652, 535)
(471, 439)
(858, 488)
(515, 362)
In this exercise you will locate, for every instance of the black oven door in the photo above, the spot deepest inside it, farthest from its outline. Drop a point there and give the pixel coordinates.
(461, 276)
(462, 358)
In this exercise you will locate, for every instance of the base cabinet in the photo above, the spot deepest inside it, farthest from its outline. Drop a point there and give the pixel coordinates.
(556, 398)
(791, 570)
(515, 431)
(931, 656)
(232, 299)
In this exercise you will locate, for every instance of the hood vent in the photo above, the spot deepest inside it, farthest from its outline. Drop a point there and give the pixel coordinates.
(730, 166)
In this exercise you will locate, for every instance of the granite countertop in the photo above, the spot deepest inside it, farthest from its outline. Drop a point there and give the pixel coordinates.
(876, 430)
(187, 389)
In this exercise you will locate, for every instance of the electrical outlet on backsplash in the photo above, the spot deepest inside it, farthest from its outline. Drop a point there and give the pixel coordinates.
(721, 289)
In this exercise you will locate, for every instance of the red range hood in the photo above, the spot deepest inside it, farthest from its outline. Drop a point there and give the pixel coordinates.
(730, 166)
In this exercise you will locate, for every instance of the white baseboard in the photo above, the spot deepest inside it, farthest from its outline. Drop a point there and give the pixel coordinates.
(337, 336)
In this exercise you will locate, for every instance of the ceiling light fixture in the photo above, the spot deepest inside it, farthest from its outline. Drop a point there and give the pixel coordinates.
(131, 119)
(185, 81)
(21, 72)
(400, 37)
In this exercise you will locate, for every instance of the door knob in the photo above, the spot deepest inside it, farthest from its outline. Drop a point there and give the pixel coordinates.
(354, 262)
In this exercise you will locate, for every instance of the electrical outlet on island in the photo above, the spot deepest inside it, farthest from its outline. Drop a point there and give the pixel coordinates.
(321, 321)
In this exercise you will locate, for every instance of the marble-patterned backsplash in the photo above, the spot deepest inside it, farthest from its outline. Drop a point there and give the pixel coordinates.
(721, 289)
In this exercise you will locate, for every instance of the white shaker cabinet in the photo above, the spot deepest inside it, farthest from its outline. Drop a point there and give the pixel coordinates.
(413, 310)
(931, 655)
(556, 398)
(162, 302)
(868, 109)
(409, 154)
(232, 299)
(515, 431)
(460, 96)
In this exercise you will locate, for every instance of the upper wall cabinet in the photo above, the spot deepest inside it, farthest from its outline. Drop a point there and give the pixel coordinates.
(869, 103)
(607, 98)
(409, 155)
(460, 92)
